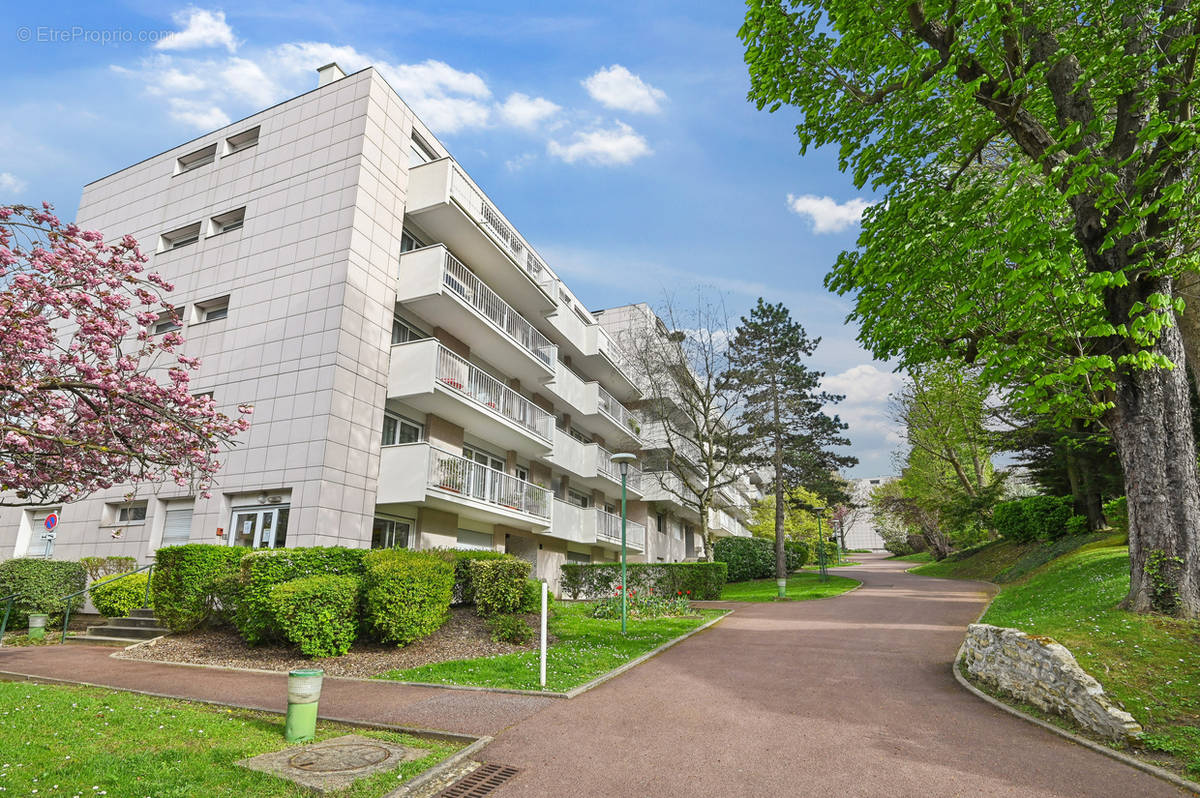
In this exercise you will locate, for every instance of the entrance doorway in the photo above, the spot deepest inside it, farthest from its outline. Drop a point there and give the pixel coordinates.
(259, 527)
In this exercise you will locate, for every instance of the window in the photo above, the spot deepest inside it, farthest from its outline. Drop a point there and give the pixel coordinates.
(610, 508)
(409, 242)
(127, 512)
(180, 237)
(660, 523)
(419, 152)
(522, 473)
(392, 533)
(475, 541)
(177, 527)
(213, 309)
(579, 435)
(227, 222)
(167, 321)
(574, 556)
(242, 141)
(403, 332)
(397, 429)
(196, 159)
(578, 499)
(41, 540)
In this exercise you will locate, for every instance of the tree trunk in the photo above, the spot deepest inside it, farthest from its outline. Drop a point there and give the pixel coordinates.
(1151, 425)
(780, 498)
(705, 535)
(1187, 286)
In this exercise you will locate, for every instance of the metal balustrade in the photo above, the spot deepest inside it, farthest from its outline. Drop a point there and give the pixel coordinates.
(606, 466)
(485, 390)
(608, 528)
(464, 282)
(473, 201)
(457, 474)
(610, 407)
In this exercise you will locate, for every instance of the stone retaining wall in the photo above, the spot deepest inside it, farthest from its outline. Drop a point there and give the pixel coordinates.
(1043, 673)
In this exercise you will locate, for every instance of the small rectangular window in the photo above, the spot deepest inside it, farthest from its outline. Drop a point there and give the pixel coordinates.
(409, 242)
(397, 429)
(228, 221)
(167, 321)
(403, 332)
(579, 435)
(389, 533)
(574, 556)
(196, 159)
(213, 309)
(127, 512)
(477, 541)
(242, 141)
(180, 237)
(578, 499)
(419, 152)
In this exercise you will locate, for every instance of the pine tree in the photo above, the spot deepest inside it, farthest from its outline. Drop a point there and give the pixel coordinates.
(785, 406)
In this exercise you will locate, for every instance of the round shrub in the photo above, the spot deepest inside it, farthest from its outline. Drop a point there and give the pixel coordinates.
(115, 599)
(797, 554)
(318, 614)
(509, 629)
(1033, 518)
(187, 580)
(41, 585)
(747, 558)
(499, 585)
(262, 570)
(406, 594)
(532, 600)
(461, 559)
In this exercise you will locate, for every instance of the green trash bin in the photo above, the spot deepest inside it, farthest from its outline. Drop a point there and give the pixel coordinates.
(37, 625)
(304, 691)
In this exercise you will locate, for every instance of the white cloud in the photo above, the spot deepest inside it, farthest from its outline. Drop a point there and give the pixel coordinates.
(520, 162)
(197, 113)
(201, 28)
(864, 383)
(11, 184)
(827, 215)
(617, 87)
(247, 80)
(868, 390)
(521, 110)
(613, 146)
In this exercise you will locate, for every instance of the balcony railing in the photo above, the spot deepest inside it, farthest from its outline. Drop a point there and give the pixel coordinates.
(470, 198)
(482, 388)
(464, 282)
(616, 411)
(608, 528)
(456, 474)
(606, 466)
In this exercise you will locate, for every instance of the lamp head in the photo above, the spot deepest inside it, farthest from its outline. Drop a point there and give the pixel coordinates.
(623, 459)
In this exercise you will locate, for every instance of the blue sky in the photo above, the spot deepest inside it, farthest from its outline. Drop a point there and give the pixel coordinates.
(616, 136)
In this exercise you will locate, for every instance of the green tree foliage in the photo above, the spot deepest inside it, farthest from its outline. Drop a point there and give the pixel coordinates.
(791, 433)
(798, 524)
(1040, 169)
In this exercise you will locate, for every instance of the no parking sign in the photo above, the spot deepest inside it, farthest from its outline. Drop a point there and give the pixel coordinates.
(51, 521)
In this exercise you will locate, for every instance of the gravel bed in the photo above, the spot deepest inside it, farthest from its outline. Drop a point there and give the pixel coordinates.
(464, 636)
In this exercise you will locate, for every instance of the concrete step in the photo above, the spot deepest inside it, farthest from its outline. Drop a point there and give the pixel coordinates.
(134, 621)
(142, 612)
(130, 633)
(100, 640)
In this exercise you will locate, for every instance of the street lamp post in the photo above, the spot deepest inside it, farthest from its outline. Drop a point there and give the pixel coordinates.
(623, 459)
(821, 545)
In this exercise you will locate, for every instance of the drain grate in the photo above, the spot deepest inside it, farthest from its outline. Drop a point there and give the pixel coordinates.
(483, 780)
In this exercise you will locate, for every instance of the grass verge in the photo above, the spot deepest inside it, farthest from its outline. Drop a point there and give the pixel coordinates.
(586, 648)
(919, 556)
(75, 741)
(800, 587)
(1004, 561)
(1147, 662)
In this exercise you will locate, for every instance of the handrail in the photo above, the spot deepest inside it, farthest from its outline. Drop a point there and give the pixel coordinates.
(8, 605)
(67, 612)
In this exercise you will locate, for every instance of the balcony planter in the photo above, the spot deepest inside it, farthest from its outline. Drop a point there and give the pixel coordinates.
(453, 383)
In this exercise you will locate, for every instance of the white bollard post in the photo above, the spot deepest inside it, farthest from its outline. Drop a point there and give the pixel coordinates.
(543, 635)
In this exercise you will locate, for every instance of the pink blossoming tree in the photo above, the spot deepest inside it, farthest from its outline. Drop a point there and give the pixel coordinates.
(90, 398)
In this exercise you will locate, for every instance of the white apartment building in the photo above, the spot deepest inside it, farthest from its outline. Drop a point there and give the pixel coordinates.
(672, 527)
(860, 530)
(420, 375)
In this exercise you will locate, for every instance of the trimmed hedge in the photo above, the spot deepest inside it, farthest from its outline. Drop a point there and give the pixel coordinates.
(114, 599)
(319, 614)
(747, 558)
(406, 594)
(797, 554)
(461, 559)
(191, 581)
(499, 584)
(262, 570)
(42, 584)
(1034, 518)
(705, 580)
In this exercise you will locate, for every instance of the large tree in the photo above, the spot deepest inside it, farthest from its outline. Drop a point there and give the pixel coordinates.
(1074, 239)
(791, 433)
(90, 396)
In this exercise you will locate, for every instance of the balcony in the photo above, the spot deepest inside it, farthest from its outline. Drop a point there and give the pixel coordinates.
(435, 380)
(721, 523)
(593, 526)
(595, 407)
(419, 473)
(437, 285)
(605, 465)
(590, 347)
(449, 206)
(589, 465)
(655, 436)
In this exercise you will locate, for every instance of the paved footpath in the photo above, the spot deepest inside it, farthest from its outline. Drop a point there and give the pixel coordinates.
(851, 696)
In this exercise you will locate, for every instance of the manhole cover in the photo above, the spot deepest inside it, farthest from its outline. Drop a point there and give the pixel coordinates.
(481, 781)
(339, 758)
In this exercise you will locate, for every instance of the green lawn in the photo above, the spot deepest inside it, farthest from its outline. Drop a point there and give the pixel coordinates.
(586, 648)
(812, 566)
(800, 586)
(920, 556)
(84, 741)
(1147, 662)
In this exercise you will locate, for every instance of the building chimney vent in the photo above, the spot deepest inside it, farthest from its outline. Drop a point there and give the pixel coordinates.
(329, 73)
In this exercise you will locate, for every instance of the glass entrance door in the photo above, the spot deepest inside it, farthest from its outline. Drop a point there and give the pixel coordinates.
(482, 475)
(259, 527)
